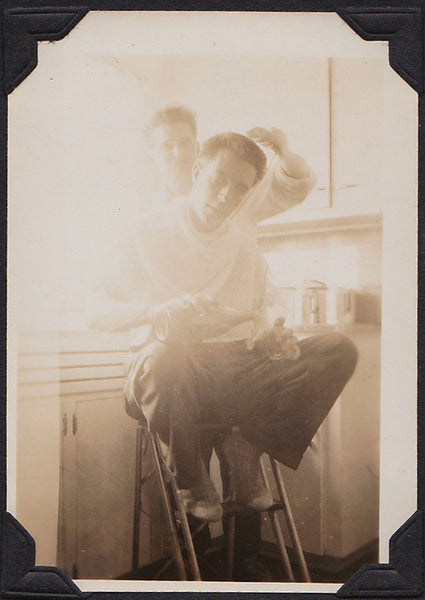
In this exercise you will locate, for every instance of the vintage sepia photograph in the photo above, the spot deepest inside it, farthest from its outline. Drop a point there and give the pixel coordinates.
(212, 224)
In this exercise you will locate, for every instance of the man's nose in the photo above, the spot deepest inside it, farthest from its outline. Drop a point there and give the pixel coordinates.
(225, 193)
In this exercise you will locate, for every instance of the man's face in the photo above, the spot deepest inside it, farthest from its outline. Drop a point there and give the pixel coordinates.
(174, 151)
(219, 186)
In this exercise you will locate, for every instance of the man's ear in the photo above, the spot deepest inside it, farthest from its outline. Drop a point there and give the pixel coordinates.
(196, 169)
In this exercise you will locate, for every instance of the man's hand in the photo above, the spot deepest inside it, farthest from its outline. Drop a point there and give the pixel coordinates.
(273, 138)
(279, 342)
(292, 164)
(193, 318)
(200, 304)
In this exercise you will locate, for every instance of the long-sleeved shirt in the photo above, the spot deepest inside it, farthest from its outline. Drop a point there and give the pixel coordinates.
(275, 193)
(166, 257)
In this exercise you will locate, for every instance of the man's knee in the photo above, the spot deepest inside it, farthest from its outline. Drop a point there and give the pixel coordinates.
(164, 360)
(333, 351)
(160, 368)
(151, 375)
(345, 352)
(146, 370)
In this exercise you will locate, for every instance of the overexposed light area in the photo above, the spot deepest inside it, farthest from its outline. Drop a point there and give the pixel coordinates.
(293, 267)
(80, 142)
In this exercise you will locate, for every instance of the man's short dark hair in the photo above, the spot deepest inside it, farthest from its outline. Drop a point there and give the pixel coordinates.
(172, 114)
(241, 145)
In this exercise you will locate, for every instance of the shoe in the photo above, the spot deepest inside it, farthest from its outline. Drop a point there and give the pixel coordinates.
(252, 568)
(244, 461)
(202, 501)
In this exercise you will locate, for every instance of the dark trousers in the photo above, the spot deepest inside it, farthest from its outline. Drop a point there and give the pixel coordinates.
(278, 405)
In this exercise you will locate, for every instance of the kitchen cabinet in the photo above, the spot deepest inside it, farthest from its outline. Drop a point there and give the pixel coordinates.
(97, 463)
(76, 457)
(95, 532)
(97, 484)
(356, 147)
(34, 438)
(76, 452)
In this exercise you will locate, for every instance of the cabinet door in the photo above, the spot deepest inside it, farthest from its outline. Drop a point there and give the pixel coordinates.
(106, 439)
(360, 445)
(67, 524)
(350, 497)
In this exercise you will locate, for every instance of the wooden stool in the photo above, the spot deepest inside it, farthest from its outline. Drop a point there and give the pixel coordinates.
(177, 520)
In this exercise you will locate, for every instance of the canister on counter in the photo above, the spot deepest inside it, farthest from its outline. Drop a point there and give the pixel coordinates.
(340, 306)
(314, 302)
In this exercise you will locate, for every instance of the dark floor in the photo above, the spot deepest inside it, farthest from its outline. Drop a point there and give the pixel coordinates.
(266, 567)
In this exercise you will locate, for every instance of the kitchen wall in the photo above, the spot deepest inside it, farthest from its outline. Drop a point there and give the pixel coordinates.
(350, 258)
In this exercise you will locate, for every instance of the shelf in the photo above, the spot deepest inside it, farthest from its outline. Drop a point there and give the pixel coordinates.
(318, 220)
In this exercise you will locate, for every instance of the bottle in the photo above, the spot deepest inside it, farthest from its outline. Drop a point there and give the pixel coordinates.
(181, 322)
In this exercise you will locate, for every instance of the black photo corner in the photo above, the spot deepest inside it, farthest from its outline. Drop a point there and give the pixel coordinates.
(24, 23)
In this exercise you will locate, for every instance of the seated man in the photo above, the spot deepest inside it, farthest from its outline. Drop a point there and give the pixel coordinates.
(172, 140)
(191, 259)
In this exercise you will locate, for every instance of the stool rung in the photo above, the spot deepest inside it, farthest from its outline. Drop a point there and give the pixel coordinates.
(231, 507)
(147, 477)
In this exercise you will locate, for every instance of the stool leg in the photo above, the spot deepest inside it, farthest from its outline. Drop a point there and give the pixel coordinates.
(137, 499)
(168, 512)
(290, 519)
(277, 530)
(230, 541)
(187, 535)
(229, 523)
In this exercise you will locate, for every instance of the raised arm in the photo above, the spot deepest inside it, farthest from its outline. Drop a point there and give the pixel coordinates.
(274, 139)
(287, 182)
